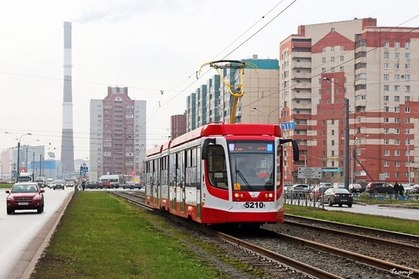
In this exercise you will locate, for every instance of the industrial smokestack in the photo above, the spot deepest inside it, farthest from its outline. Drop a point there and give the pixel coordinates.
(67, 145)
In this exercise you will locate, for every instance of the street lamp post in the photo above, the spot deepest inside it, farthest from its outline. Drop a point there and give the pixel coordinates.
(19, 139)
(346, 157)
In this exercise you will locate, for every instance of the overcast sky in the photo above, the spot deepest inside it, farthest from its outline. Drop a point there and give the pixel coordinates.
(145, 45)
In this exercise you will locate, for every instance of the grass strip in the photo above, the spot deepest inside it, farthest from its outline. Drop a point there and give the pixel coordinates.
(367, 220)
(100, 236)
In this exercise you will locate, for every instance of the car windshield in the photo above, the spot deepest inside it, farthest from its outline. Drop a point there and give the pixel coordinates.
(341, 191)
(24, 189)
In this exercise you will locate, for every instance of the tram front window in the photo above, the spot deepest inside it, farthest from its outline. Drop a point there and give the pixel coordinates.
(252, 171)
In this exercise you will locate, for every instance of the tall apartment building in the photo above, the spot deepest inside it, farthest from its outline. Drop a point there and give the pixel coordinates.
(259, 104)
(117, 134)
(376, 70)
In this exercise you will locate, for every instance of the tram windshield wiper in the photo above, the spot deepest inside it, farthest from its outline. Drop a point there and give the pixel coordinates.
(238, 172)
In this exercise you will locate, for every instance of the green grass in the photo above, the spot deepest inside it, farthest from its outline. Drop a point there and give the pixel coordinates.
(380, 222)
(101, 236)
(5, 186)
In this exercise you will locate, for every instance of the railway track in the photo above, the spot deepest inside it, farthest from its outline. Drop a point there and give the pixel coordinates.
(281, 255)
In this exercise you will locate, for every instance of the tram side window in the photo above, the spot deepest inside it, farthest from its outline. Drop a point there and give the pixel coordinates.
(192, 178)
(172, 169)
(217, 169)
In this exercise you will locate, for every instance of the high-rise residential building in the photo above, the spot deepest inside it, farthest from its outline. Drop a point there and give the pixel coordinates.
(358, 73)
(117, 134)
(259, 104)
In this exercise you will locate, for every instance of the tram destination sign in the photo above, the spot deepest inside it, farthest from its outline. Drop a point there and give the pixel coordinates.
(305, 172)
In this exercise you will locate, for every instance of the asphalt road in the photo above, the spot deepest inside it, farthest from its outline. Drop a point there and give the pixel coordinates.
(25, 234)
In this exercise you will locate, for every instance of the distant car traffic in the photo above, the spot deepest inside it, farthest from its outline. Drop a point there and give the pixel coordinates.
(415, 189)
(379, 188)
(24, 196)
(69, 182)
(318, 191)
(94, 185)
(298, 191)
(131, 185)
(58, 184)
(338, 196)
(356, 188)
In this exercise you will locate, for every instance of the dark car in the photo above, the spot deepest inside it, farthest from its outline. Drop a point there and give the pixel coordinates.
(379, 188)
(58, 184)
(338, 196)
(23, 196)
(94, 185)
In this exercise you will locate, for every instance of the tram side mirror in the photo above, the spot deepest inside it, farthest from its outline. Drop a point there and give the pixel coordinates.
(295, 149)
(204, 152)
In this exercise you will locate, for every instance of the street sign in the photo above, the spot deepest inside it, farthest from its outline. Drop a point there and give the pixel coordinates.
(306, 172)
(287, 125)
(331, 170)
(83, 169)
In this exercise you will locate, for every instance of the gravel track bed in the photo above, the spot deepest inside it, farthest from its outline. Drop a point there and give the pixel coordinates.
(376, 250)
(346, 268)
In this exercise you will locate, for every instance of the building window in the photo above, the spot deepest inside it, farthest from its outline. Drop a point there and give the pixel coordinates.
(407, 88)
(386, 164)
(396, 88)
(396, 44)
(407, 66)
(386, 87)
(386, 66)
(407, 109)
(386, 152)
(407, 99)
(407, 45)
(386, 44)
(396, 152)
(323, 59)
(386, 77)
(407, 55)
(397, 98)
(386, 54)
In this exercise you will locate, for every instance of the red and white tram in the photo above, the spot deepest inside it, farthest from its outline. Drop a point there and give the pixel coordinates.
(220, 173)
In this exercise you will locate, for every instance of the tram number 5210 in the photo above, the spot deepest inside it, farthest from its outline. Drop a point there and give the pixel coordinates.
(254, 205)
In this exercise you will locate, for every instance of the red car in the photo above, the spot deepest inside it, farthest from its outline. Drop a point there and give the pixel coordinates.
(23, 196)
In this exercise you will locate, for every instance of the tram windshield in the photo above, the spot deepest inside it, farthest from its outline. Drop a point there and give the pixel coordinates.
(252, 165)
